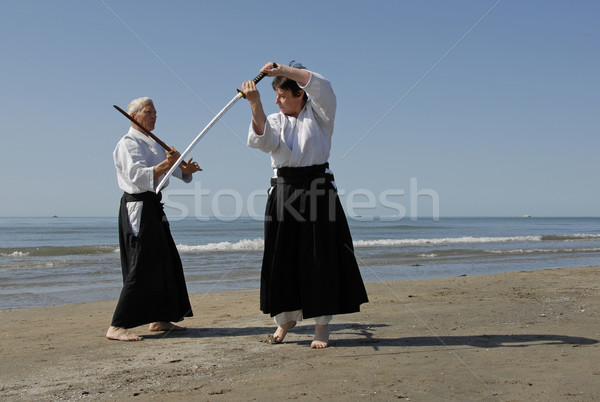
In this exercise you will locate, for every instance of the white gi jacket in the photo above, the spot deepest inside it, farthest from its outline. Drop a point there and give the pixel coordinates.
(304, 141)
(135, 156)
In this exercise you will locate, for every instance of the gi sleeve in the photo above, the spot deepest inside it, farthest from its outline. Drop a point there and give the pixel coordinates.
(322, 96)
(186, 178)
(132, 166)
(269, 141)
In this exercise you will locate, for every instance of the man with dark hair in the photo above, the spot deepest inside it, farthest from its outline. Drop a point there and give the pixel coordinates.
(309, 268)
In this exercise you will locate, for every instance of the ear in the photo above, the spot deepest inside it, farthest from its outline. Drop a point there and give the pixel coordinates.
(301, 93)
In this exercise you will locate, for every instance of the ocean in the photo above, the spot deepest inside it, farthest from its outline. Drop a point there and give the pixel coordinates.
(52, 261)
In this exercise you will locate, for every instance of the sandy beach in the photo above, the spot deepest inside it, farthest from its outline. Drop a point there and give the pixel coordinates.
(515, 336)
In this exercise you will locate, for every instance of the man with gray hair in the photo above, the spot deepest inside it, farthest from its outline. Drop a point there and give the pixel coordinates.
(154, 290)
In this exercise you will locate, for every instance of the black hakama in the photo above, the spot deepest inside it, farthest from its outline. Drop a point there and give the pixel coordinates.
(154, 286)
(308, 261)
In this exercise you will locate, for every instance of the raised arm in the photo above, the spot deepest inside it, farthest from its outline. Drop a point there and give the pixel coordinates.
(301, 76)
(258, 114)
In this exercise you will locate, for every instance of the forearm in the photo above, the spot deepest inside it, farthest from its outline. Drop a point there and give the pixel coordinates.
(258, 118)
(301, 76)
(161, 168)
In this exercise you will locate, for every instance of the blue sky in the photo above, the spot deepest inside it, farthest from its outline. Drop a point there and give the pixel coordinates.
(462, 108)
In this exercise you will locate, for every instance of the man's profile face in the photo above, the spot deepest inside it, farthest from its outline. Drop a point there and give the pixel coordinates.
(146, 117)
(288, 103)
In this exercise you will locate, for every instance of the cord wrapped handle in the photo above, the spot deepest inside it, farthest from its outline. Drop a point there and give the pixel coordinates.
(262, 75)
(259, 77)
(256, 80)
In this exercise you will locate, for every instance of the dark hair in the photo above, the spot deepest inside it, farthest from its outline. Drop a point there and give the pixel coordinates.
(287, 83)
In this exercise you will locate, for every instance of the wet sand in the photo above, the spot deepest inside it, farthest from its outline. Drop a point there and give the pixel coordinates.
(516, 336)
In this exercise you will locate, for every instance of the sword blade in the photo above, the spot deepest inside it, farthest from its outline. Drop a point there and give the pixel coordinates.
(185, 153)
(195, 141)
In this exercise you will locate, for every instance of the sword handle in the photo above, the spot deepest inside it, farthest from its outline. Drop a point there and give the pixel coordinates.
(256, 80)
(262, 75)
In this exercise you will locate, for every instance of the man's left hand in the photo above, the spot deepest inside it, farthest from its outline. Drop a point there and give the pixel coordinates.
(190, 167)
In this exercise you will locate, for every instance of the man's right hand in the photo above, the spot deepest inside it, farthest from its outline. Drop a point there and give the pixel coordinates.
(172, 156)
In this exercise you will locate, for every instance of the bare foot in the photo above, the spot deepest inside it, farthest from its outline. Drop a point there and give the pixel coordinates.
(281, 332)
(165, 326)
(321, 339)
(121, 334)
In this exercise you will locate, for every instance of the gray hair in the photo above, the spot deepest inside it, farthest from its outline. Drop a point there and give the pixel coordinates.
(137, 104)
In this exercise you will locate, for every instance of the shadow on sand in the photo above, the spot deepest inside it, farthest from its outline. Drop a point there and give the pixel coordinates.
(353, 335)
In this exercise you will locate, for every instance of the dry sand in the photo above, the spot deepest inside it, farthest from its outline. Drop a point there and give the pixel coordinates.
(516, 336)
